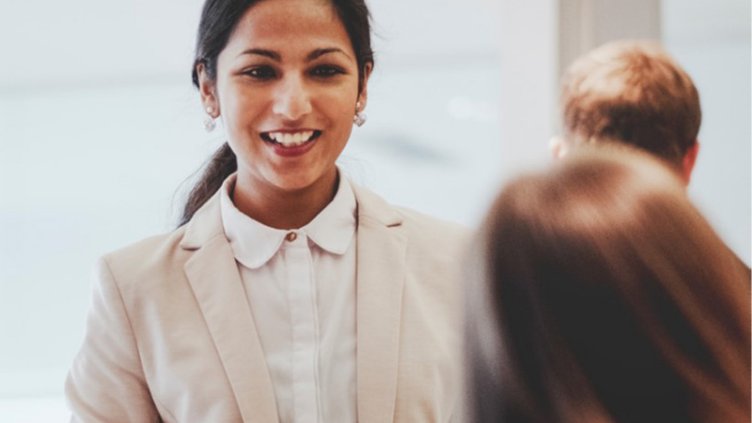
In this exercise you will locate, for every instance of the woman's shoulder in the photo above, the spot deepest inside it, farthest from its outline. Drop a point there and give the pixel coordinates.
(163, 255)
(148, 247)
(420, 228)
(433, 228)
(155, 255)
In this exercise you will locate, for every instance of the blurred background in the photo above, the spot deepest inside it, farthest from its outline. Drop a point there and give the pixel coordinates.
(100, 126)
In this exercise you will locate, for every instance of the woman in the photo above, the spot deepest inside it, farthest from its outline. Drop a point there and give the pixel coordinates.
(289, 294)
(607, 298)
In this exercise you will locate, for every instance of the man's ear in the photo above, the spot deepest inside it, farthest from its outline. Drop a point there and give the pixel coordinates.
(688, 162)
(207, 87)
(558, 147)
(363, 95)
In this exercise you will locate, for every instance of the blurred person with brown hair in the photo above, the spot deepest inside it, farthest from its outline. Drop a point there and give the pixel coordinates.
(605, 297)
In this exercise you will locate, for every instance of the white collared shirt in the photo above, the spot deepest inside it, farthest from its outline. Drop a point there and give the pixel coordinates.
(300, 285)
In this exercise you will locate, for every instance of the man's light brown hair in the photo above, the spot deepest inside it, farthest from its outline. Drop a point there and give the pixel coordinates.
(631, 92)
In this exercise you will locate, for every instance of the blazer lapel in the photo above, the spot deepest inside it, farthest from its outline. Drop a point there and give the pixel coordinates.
(381, 248)
(216, 283)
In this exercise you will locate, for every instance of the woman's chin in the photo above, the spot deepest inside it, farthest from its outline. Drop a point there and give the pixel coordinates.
(304, 180)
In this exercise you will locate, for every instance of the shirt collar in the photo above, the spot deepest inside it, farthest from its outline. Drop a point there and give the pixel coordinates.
(254, 243)
(333, 228)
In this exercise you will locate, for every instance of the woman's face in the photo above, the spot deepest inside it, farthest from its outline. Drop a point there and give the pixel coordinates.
(287, 88)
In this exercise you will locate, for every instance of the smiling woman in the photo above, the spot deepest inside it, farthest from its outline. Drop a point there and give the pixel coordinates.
(287, 293)
(288, 106)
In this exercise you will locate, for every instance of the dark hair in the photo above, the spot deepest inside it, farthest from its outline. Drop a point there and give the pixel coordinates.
(218, 20)
(634, 93)
(606, 297)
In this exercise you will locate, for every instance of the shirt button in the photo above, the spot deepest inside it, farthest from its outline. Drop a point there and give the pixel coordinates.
(291, 236)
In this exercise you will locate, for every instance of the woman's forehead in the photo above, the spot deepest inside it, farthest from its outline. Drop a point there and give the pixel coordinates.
(290, 26)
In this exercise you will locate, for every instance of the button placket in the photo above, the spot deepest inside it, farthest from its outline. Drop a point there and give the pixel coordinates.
(301, 299)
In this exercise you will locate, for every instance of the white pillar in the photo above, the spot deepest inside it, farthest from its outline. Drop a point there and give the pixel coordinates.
(529, 63)
(586, 24)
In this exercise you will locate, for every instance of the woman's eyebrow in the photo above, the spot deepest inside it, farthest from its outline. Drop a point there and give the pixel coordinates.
(315, 54)
(263, 52)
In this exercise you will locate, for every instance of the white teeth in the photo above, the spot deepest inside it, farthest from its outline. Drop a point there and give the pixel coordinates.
(291, 139)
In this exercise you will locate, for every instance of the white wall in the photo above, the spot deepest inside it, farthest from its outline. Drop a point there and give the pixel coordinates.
(711, 39)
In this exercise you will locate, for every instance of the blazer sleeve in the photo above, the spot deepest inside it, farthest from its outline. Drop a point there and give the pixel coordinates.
(106, 382)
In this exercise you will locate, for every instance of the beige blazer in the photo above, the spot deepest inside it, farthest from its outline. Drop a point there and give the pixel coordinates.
(170, 335)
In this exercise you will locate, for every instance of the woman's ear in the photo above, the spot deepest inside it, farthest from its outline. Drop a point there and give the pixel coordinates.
(363, 95)
(207, 87)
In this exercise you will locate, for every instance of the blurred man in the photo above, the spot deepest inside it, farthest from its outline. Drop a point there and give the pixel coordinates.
(632, 93)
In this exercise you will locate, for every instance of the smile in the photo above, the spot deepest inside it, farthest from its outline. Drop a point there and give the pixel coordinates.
(290, 139)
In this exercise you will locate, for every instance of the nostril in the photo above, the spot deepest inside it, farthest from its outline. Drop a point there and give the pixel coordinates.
(292, 105)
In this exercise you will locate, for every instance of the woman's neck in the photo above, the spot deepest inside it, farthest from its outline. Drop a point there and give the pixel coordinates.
(283, 209)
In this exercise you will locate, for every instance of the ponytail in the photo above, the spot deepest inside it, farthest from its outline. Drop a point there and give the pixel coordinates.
(221, 165)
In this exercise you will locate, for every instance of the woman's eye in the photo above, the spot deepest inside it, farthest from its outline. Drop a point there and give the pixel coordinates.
(261, 72)
(326, 71)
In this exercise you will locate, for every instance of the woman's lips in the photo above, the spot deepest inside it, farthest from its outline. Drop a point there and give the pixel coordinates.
(291, 143)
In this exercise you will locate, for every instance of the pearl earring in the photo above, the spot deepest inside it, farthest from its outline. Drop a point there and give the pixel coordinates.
(360, 117)
(209, 120)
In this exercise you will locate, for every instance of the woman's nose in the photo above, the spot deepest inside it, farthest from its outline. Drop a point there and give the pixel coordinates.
(292, 100)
